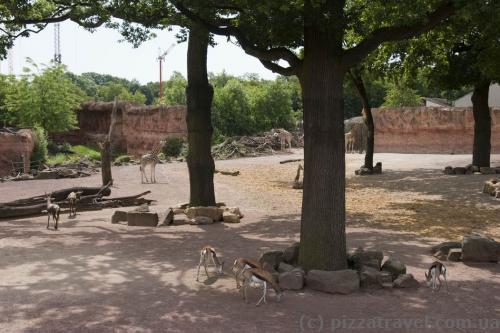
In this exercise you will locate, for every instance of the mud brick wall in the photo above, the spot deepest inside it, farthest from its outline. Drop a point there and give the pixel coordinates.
(144, 127)
(12, 147)
(429, 130)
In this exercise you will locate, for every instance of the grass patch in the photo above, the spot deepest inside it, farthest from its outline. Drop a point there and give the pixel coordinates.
(87, 151)
(81, 152)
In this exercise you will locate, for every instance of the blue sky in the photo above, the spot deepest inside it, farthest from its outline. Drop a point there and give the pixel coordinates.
(101, 52)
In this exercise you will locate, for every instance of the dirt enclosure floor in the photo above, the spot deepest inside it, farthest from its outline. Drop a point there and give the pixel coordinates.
(94, 276)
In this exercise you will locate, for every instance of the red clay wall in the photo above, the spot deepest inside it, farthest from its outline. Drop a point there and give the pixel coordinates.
(429, 130)
(12, 147)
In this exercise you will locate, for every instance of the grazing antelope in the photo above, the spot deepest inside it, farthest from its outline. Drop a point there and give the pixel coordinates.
(208, 253)
(433, 276)
(284, 136)
(151, 159)
(260, 278)
(52, 210)
(73, 198)
(240, 265)
(349, 142)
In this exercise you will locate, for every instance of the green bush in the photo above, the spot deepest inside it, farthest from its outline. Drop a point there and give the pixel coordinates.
(173, 147)
(87, 151)
(40, 150)
(123, 159)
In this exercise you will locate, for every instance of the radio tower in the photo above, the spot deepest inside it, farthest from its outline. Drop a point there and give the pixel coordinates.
(10, 60)
(57, 43)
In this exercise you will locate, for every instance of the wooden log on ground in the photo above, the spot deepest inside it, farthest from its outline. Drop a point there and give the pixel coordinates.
(11, 211)
(292, 160)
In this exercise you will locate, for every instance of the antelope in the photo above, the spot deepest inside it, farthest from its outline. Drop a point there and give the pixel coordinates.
(73, 198)
(52, 210)
(284, 136)
(349, 142)
(206, 254)
(240, 265)
(433, 276)
(257, 277)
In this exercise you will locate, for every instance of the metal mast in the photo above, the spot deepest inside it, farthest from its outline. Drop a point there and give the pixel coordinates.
(57, 43)
(161, 59)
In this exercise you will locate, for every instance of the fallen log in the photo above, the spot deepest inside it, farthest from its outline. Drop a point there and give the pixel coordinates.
(12, 211)
(290, 161)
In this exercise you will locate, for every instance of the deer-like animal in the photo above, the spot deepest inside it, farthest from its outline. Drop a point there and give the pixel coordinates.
(256, 277)
(73, 198)
(349, 142)
(240, 265)
(436, 270)
(151, 159)
(52, 210)
(208, 254)
(284, 136)
(297, 184)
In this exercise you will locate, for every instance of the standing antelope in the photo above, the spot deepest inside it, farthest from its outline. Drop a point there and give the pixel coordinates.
(433, 276)
(260, 278)
(52, 210)
(208, 253)
(349, 142)
(73, 198)
(240, 265)
(151, 159)
(284, 136)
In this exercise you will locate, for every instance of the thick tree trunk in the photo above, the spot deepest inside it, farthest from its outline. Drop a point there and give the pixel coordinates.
(106, 154)
(482, 125)
(323, 237)
(367, 118)
(199, 120)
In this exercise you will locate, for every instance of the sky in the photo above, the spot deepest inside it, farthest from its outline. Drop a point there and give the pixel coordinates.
(101, 52)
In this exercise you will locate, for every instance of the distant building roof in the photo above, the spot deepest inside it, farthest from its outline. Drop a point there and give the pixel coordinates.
(432, 101)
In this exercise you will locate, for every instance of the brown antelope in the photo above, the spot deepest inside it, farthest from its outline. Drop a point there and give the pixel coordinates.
(52, 210)
(260, 278)
(284, 136)
(349, 142)
(433, 276)
(73, 198)
(208, 253)
(240, 265)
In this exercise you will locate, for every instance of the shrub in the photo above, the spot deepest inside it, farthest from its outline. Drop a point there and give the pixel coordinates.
(173, 147)
(87, 151)
(40, 150)
(123, 159)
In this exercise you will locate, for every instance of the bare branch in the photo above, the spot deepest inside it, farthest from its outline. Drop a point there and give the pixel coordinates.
(275, 68)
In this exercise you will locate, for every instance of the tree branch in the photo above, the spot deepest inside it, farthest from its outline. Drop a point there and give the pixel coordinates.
(275, 68)
(387, 34)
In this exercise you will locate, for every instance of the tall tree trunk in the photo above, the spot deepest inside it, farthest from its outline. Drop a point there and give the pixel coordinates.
(323, 237)
(482, 125)
(199, 95)
(367, 118)
(106, 150)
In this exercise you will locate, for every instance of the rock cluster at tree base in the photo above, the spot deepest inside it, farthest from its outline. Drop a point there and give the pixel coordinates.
(473, 248)
(183, 214)
(470, 169)
(363, 171)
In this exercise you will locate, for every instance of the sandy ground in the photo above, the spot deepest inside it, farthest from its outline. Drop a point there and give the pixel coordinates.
(92, 276)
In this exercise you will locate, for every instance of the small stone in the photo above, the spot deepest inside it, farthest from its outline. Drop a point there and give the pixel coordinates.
(487, 170)
(292, 280)
(455, 255)
(181, 219)
(448, 170)
(369, 278)
(284, 267)
(274, 258)
(406, 281)
(440, 255)
(234, 210)
(395, 267)
(119, 216)
(459, 170)
(360, 258)
(201, 220)
(144, 208)
(228, 217)
(377, 169)
(169, 218)
(178, 211)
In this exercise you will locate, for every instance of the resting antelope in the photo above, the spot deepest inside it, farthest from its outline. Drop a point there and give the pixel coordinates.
(208, 253)
(284, 136)
(52, 210)
(433, 276)
(240, 265)
(73, 198)
(257, 277)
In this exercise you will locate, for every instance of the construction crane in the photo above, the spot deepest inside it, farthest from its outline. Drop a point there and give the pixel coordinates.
(161, 59)
(57, 43)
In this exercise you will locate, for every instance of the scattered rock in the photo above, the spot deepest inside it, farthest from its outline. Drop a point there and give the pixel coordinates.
(395, 267)
(169, 218)
(228, 217)
(284, 267)
(215, 213)
(440, 255)
(448, 170)
(234, 210)
(487, 170)
(178, 211)
(144, 208)
(479, 248)
(47, 174)
(273, 258)
(455, 255)
(201, 220)
(406, 281)
(492, 186)
(67, 173)
(459, 170)
(360, 258)
(336, 282)
(369, 278)
(119, 216)
(292, 280)
(377, 169)
(291, 254)
(445, 247)
(139, 219)
(181, 219)
(363, 171)
(182, 206)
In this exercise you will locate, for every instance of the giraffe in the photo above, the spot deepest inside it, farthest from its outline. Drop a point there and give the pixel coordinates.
(151, 159)
(349, 142)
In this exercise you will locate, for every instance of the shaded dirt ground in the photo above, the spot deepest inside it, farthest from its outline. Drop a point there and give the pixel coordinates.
(92, 276)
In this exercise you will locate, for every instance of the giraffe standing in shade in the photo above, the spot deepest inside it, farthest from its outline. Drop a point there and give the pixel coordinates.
(151, 159)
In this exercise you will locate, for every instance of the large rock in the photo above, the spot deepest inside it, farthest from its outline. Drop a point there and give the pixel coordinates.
(181, 219)
(360, 258)
(395, 267)
(292, 280)
(228, 217)
(406, 281)
(47, 174)
(369, 278)
(291, 254)
(169, 218)
(454, 255)
(201, 220)
(377, 169)
(139, 219)
(119, 216)
(215, 213)
(67, 173)
(273, 258)
(479, 248)
(487, 170)
(284, 267)
(446, 247)
(491, 186)
(459, 170)
(336, 282)
(234, 210)
(448, 170)
(178, 210)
